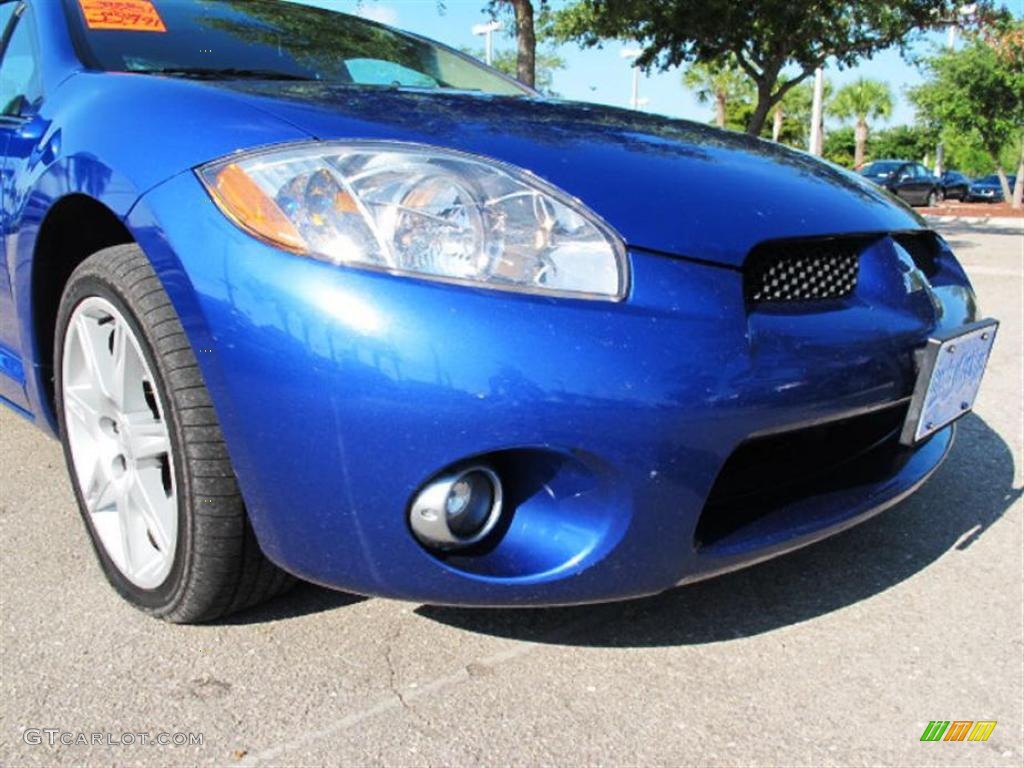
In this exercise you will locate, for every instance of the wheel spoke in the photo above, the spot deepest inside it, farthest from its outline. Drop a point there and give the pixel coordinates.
(96, 357)
(102, 495)
(120, 445)
(155, 509)
(148, 437)
(119, 366)
(79, 403)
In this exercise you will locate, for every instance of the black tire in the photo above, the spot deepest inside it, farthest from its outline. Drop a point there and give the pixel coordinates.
(218, 567)
(934, 198)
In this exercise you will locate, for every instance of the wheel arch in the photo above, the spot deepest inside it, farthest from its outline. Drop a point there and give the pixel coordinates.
(75, 227)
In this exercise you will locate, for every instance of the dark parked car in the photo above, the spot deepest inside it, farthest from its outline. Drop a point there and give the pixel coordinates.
(911, 182)
(955, 185)
(988, 189)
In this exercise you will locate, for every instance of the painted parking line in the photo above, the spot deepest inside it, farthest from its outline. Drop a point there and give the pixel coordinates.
(409, 695)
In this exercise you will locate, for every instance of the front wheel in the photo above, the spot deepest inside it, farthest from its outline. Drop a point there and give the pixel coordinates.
(934, 198)
(144, 450)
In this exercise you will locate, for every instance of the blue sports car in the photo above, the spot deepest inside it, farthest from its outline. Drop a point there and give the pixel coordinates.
(302, 295)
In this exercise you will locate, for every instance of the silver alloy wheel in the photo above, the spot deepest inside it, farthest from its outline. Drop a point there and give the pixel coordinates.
(119, 441)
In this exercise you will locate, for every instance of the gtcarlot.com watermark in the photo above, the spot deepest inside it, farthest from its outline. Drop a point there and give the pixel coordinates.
(54, 737)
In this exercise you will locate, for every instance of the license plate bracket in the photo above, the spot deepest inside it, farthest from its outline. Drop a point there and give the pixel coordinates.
(951, 369)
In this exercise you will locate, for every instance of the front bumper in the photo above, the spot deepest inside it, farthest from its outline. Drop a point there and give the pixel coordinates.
(341, 392)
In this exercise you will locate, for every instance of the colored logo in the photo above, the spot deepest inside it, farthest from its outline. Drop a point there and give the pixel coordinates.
(958, 730)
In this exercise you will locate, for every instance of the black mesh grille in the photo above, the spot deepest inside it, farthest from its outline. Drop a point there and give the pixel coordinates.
(803, 271)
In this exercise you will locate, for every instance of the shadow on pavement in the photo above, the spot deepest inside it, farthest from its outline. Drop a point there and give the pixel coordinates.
(994, 226)
(962, 501)
(304, 599)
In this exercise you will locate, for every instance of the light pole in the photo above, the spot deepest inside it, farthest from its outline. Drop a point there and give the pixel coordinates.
(487, 32)
(954, 28)
(633, 54)
(954, 25)
(817, 110)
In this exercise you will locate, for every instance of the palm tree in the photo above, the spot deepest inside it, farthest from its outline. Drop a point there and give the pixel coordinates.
(862, 100)
(720, 83)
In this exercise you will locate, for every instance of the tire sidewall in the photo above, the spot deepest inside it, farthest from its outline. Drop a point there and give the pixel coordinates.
(162, 599)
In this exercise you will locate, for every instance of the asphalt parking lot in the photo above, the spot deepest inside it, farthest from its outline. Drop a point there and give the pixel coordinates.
(837, 655)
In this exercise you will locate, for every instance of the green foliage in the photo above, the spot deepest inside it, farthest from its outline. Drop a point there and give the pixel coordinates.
(975, 93)
(796, 109)
(902, 142)
(899, 143)
(863, 99)
(720, 84)
(965, 153)
(839, 146)
(548, 62)
(711, 81)
(765, 37)
(796, 114)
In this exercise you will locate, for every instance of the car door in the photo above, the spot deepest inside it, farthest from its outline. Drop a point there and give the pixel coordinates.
(925, 183)
(914, 183)
(953, 185)
(20, 97)
(903, 183)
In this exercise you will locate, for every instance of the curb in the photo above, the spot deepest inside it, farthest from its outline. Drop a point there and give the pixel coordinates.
(937, 219)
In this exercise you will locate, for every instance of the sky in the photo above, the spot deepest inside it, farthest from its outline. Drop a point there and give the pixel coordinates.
(601, 75)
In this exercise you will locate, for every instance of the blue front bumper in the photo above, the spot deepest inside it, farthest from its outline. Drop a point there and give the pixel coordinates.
(341, 392)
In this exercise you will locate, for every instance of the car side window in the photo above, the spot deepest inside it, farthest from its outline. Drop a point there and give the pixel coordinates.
(379, 72)
(21, 83)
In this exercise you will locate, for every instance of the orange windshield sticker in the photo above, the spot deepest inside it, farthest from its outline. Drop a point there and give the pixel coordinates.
(127, 15)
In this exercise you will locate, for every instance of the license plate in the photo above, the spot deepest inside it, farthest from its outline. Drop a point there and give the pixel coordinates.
(947, 383)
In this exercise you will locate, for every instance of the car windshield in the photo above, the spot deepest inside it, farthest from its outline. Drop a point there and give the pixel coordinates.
(881, 168)
(272, 40)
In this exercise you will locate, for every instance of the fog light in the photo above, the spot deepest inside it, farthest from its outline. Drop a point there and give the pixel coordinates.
(458, 509)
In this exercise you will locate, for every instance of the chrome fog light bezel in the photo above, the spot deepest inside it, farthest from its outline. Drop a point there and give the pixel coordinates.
(428, 515)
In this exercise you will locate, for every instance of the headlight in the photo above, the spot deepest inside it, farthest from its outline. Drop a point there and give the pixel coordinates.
(421, 211)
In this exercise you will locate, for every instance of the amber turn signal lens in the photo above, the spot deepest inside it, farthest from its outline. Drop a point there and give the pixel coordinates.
(242, 199)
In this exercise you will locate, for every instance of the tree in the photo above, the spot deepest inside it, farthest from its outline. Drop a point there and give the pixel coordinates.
(791, 118)
(764, 37)
(902, 142)
(721, 84)
(548, 61)
(838, 146)
(979, 91)
(862, 100)
(526, 37)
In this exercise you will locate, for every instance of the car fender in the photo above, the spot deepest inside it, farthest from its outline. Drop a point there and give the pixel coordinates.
(113, 162)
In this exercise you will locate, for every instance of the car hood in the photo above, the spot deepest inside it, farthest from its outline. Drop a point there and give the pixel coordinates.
(666, 185)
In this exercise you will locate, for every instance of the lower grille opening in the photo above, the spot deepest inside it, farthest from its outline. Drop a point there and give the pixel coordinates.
(923, 248)
(765, 474)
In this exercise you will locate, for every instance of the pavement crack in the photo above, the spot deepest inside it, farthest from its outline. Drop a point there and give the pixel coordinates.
(392, 671)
